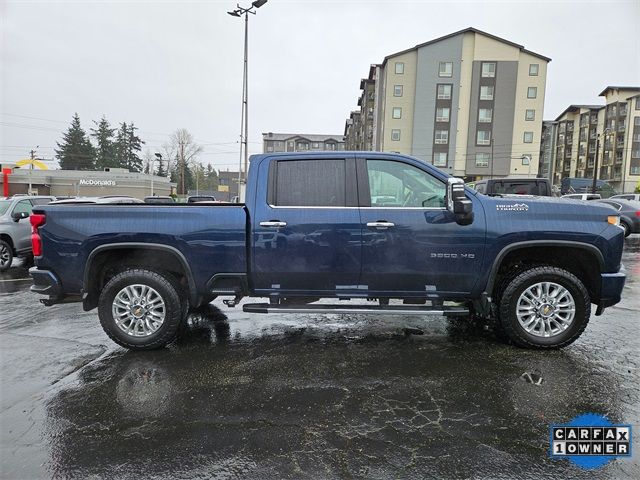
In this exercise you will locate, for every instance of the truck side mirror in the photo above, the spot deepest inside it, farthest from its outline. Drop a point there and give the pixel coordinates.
(457, 202)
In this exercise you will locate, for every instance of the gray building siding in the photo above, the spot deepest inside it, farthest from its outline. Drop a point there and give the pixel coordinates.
(503, 105)
(427, 79)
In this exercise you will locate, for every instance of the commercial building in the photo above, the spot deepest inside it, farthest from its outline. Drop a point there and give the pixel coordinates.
(115, 181)
(608, 135)
(300, 142)
(228, 186)
(470, 103)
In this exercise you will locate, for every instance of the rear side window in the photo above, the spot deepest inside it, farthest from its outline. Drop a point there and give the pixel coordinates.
(309, 183)
(525, 188)
(41, 201)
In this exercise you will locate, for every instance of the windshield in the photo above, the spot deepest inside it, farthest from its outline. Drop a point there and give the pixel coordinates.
(4, 206)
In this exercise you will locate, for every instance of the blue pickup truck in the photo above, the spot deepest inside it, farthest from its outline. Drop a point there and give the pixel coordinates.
(350, 226)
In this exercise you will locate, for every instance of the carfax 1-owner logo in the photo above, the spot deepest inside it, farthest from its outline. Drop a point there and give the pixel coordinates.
(590, 440)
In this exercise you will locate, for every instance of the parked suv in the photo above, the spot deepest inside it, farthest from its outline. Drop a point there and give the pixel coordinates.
(15, 230)
(585, 185)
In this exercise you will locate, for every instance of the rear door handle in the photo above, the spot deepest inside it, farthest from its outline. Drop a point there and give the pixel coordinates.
(273, 224)
(381, 224)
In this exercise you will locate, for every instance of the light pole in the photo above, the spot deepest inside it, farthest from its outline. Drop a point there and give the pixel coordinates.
(153, 168)
(605, 133)
(244, 118)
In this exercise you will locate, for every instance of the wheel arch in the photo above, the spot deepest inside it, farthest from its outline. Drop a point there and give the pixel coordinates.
(159, 256)
(552, 252)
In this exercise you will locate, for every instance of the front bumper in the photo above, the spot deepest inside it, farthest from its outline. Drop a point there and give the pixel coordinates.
(611, 285)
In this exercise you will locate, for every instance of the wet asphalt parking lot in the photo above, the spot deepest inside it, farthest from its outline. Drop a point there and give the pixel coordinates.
(300, 396)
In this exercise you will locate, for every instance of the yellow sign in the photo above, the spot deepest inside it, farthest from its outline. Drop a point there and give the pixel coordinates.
(223, 188)
(35, 163)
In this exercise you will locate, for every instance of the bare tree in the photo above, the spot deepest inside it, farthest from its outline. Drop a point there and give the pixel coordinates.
(180, 152)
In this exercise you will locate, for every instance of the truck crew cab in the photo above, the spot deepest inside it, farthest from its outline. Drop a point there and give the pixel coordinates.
(387, 228)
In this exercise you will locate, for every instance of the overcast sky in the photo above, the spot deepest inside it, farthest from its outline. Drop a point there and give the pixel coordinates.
(178, 64)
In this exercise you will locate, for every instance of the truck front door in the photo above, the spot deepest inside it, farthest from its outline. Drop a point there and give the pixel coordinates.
(412, 245)
(306, 234)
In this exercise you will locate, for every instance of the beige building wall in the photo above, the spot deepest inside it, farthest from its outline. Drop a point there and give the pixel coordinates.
(522, 104)
(406, 102)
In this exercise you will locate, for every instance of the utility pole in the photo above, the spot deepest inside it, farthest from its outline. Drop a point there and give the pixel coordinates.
(244, 118)
(492, 142)
(33, 157)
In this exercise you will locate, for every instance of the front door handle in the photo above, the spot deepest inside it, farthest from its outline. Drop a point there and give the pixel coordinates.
(273, 224)
(381, 224)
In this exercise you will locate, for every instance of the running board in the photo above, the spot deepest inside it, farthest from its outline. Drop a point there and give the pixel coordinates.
(382, 309)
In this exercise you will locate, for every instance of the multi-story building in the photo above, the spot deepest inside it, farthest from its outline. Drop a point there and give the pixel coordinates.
(609, 133)
(470, 103)
(547, 149)
(300, 142)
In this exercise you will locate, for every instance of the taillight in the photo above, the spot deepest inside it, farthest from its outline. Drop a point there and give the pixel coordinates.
(37, 220)
(637, 213)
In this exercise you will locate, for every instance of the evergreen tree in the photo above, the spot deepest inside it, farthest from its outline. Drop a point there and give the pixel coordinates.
(75, 152)
(161, 171)
(105, 148)
(127, 148)
(211, 178)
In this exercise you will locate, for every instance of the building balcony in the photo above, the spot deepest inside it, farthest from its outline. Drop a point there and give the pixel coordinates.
(566, 167)
(593, 120)
(570, 127)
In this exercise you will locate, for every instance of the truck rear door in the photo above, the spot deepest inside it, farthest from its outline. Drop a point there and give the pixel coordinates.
(306, 234)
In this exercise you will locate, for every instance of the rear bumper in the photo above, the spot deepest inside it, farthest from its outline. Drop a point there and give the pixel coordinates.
(611, 286)
(45, 283)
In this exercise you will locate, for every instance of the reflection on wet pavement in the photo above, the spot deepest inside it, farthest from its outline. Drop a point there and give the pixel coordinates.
(321, 396)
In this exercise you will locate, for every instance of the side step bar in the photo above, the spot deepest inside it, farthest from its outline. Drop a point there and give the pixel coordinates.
(383, 309)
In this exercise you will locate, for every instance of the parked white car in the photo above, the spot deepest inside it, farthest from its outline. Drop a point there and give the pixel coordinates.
(583, 196)
(628, 196)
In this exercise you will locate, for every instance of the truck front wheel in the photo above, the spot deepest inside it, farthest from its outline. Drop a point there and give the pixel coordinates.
(544, 307)
(140, 309)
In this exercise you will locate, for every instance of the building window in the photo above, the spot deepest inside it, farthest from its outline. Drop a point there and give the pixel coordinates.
(482, 159)
(397, 112)
(528, 137)
(638, 103)
(444, 92)
(532, 92)
(486, 92)
(399, 68)
(445, 69)
(533, 69)
(489, 69)
(269, 149)
(316, 145)
(442, 137)
(440, 159)
(485, 115)
(530, 115)
(395, 135)
(442, 114)
(484, 137)
(397, 90)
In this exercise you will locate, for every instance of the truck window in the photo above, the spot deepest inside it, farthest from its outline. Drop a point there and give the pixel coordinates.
(310, 183)
(516, 188)
(397, 184)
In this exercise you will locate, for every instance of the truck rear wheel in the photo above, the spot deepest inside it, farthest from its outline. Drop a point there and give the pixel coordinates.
(544, 307)
(6, 255)
(140, 309)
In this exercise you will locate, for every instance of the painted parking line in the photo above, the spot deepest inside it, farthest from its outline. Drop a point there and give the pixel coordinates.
(15, 280)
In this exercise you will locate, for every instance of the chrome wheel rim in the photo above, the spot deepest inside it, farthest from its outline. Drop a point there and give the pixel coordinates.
(545, 309)
(4, 255)
(138, 310)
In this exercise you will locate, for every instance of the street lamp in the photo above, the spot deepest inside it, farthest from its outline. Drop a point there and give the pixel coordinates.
(159, 158)
(244, 118)
(607, 131)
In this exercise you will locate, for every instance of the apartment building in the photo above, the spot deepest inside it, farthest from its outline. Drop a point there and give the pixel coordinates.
(470, 103)
(610, 132)
(299, 142)
(547, 149)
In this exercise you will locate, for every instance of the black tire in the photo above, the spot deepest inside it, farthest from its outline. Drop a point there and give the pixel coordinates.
(627, 229)
(6, 255)
(164, 286)
(525, 279)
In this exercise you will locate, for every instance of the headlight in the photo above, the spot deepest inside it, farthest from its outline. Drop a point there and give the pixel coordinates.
(613, 220)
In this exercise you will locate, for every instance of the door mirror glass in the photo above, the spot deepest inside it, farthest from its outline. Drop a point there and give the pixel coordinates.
(457, 202)
(17, 216)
